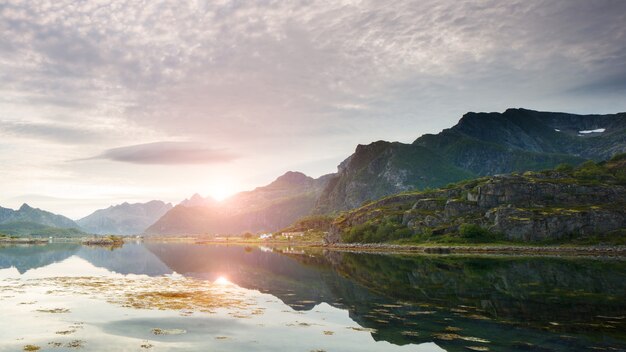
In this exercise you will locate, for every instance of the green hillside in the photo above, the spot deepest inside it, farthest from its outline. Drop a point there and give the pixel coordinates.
(480, 144)
(574, 204)
(27, 228)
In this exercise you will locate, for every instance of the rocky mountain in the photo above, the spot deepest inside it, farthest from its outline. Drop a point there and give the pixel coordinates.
(267, 208)
(33, 221)
(125, 218)
(480, 144)
(552, 205)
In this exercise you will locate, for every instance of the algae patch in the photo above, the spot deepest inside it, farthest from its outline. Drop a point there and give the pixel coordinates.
(65, 332)
(161, 293)
(75, 344)
(54, 310)
(158, 331)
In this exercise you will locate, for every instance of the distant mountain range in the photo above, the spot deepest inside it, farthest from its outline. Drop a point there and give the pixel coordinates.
(125, 218)
(122, 219)
(32, 221)
(267, 208)
(481, 144)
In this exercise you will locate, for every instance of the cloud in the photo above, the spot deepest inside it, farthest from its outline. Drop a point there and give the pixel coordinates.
(603, 86)
(50, 131)
(290, 82)
(168, 153)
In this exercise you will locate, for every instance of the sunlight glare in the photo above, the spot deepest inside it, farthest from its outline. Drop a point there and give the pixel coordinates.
(221, 281)
(221, 189)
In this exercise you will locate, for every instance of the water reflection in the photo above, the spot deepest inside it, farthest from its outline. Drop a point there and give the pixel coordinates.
(480, 303)
(25, 257)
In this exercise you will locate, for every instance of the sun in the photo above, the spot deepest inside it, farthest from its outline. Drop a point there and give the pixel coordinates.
(221, 280)
(221, 190)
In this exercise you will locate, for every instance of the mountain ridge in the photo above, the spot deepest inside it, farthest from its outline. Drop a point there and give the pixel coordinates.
(27, 221)
(125, 218)
(265, 209)
(479, 144)
(43, 217)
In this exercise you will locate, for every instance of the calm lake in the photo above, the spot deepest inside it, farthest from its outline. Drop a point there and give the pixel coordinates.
(186, 297)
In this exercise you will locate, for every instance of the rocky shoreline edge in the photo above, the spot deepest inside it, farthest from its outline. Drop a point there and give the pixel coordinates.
(489, 249)
(613, 251)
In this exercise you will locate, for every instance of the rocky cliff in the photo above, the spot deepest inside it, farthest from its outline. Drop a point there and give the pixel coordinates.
(534, 206)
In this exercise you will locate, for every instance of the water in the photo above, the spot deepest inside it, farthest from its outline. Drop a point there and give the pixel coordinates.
(185, 297)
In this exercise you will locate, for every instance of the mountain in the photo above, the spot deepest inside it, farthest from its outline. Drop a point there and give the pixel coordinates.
(573, 204)
(198, 201)
(29, 228)
(263, 209)
(32, 221)
(27, 213)
(480, 144)
(125, 218)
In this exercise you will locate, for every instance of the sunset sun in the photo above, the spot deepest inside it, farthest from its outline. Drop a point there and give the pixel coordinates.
(221, 280)
(221, 190)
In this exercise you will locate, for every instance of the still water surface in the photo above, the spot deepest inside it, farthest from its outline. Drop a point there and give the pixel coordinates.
(185, 297)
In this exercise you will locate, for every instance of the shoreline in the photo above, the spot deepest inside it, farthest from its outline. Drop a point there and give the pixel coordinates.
(609, 251)
(442, 249)
(487, 249)
(23, 241)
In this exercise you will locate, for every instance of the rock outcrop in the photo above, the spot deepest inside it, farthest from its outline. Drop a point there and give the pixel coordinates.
(535, 206)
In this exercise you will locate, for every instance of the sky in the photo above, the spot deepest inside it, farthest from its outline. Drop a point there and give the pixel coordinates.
(103, 102)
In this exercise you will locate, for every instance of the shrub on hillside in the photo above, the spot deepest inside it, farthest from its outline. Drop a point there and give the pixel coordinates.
(618, 157)
(591, 171)
(565, 168)
(376, 232)
(475, 233)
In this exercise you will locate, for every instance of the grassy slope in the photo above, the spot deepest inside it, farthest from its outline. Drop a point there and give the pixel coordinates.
(385, 223)
(25, 228)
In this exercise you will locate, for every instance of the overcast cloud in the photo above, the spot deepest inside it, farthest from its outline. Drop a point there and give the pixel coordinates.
(279, 85)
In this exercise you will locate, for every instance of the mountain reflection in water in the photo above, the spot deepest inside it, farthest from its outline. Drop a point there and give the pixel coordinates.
(501, 303)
